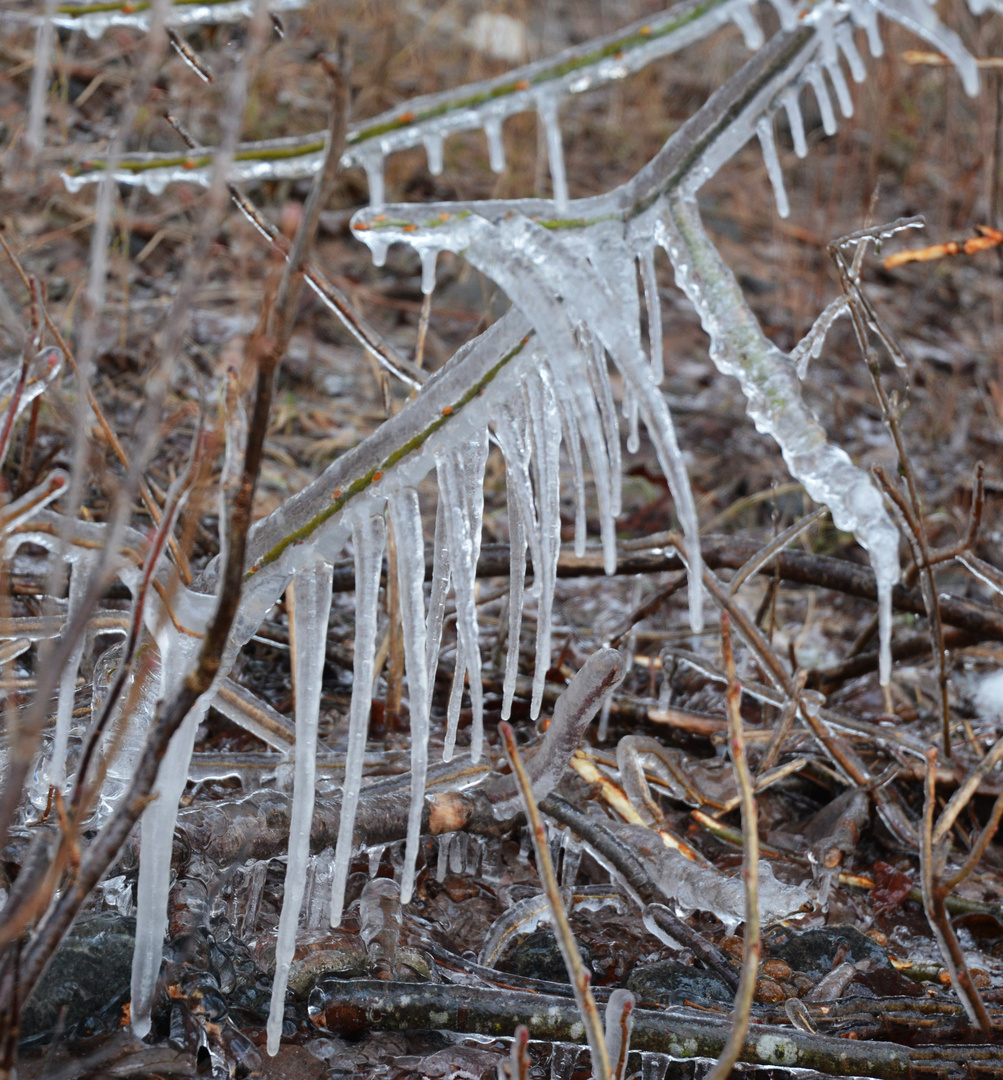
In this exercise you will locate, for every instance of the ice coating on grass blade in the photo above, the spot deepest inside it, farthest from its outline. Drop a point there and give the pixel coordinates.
(311, 608)
(739, 348)
(368, 541)
(405, 515)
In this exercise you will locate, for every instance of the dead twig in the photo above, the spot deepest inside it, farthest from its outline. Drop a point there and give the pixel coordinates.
(752, 945)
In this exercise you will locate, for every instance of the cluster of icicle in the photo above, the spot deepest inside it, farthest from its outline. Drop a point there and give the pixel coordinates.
(537, 378)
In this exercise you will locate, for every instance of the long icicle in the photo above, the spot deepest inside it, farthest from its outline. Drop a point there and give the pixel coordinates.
(368, 540)
(405, 514)
(311, 607)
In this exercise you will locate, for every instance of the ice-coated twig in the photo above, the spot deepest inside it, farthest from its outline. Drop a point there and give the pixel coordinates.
(573, 712)
(577, 974)
(761, 558)
(425, 120)
(933, 849)
(619, 1025)
(96, 18)
(518, 1056)
(739, 348)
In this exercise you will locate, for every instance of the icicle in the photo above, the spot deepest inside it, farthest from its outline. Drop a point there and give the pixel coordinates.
(646, 261)
(546, 436)
(458, 854)
(433, 151)
(839, 84)
(517, 586)
(531, 257)
(158, 821)
(461, 479)
(745, 19)
(572, 858)
(630, 414)
(866, 17)
(455, 702)
(817, 82)
(405, 514)
(510, 430)
(375, 858)
(602, 391)
(368, 539)
(318, 894)
(372, 162)
(764, 129)
(573, 442)
(437, 597)
(920, 18)
(496, 144)
(546, 108)
(252, 898)
(379, 249)
(311, 608)
(848, 47)
(442, 860)
(428, 258)
(796, 122)
(787, 13)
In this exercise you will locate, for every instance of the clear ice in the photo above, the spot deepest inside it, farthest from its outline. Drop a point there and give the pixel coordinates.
(537, 377)
(311, 606)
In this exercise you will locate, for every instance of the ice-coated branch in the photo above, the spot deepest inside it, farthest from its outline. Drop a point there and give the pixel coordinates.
(573, 712)
(423, 121)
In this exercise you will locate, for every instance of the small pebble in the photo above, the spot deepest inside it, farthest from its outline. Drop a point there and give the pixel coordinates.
(777, 969)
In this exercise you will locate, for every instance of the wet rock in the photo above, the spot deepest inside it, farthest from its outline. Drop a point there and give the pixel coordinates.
(819, 950)
(671, 983)
(777, 969)
(537, 956)
(89, 973)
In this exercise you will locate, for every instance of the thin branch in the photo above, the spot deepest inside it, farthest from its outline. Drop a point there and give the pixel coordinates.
(752, 945)
(565, 939)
